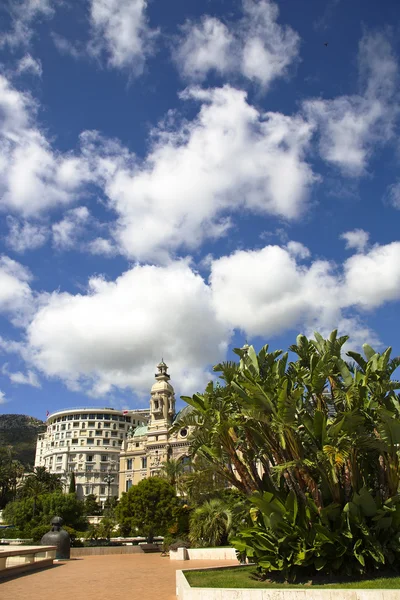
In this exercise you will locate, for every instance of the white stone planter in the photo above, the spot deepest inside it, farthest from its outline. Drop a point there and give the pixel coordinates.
(204, 554)
(185, 592)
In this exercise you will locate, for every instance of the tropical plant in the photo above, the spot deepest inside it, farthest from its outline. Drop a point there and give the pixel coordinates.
(210, 524)
(147, 508)
(172, 470)
(10, 472)
(318, 429)
(37, 483)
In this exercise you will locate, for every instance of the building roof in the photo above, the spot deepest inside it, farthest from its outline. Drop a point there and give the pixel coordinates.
(139, 431)
(183, 412)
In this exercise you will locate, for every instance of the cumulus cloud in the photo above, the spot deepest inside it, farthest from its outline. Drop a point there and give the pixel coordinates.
(67, 231)
(265, 292)
(350, 127)
(24, 235)
(256, 46)
(115, 333)
(268, 291)
(23, 14)
(28, 64)
(28, 378)
(356, 239)
(230, 157)
(121, 33)
(16, 298)
(33, 176)
(102, 246)
(373, 278)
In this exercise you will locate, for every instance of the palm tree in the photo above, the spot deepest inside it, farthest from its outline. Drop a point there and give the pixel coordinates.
(171, 470)
(210, 524)
(37, 483)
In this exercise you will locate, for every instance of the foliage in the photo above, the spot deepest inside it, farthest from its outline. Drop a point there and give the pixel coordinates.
(10, 471)
(72, 484)
(147, 508)
(19, 433)
(47, 506)
(318, 432)
(210, 524)
(92, 507)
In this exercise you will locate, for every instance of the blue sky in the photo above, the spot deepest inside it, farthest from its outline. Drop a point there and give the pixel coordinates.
(178, 177)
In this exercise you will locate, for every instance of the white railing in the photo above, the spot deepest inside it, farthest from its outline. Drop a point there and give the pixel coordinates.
(18, 558)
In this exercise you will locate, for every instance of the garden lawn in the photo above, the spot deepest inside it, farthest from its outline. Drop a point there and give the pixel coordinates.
(243, 577)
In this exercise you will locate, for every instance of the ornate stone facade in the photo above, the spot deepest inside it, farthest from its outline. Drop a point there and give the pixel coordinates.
(147, 447)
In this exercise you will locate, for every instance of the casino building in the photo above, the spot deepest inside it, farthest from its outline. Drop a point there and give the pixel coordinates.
(151, 444)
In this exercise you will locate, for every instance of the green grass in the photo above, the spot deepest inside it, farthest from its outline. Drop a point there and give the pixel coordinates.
(243, 577)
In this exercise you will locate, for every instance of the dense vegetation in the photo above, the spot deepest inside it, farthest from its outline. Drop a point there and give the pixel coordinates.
(313, 444)
(19, 433)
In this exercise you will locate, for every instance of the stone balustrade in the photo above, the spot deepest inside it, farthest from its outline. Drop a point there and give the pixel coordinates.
(17, 559)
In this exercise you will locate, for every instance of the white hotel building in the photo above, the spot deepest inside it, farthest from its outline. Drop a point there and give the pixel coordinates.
(87, 442)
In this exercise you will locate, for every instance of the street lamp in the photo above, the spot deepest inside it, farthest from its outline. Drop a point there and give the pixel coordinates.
(108, 479)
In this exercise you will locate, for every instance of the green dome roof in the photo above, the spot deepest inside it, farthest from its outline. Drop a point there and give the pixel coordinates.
(139, 431)
(183, 412)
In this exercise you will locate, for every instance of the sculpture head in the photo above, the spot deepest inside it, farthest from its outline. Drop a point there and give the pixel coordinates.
(56, 523)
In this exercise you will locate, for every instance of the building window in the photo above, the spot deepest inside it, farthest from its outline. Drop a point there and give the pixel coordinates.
(99, 416)
(98, 425)
(75, 424)
(89, 458)
(87, 490)
(129, 464)
(98, 442)
(59, 458)
(89, 441)
(91, 424)
(75, 441)
(107, 417)
(98, 432)
(106, 424)
(144, 462)
(63, 427)
(106, 442)
(137, 445)
(92, 416)
(128, 485)
(102, 489)
(183, 432)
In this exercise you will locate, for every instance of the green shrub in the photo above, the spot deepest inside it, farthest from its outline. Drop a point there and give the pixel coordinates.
(297, 540)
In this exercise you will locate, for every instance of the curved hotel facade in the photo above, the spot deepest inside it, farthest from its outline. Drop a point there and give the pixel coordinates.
(88, 442)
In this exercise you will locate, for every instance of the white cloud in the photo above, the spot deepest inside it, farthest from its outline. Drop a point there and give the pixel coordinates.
(102, 246)
(33, 177)
(30, 378)
(120, 31)
(229, 158)
(116, 332)
(373, 278)
(268, 291)
(393, 194)
(352, 126)
(28, 64)
(255, 46)
(265, 292)
(112, 334)
(3, 398)
(23, 13)
(67, 231)
(15, 292)
(25, 236)
(205, 46)
(357, 239)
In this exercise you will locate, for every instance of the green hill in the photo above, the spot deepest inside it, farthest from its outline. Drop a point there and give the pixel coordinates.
(20, 432)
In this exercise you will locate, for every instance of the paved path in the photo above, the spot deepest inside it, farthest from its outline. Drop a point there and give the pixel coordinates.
(113, 577)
